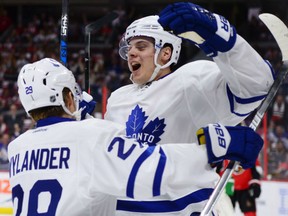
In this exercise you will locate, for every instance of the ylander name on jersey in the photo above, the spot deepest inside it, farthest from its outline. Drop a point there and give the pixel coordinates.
(40, 159)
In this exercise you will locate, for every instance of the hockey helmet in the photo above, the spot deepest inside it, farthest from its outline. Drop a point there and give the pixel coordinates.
(41, 83)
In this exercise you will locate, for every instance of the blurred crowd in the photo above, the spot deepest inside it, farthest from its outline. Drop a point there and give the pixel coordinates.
(38, 37)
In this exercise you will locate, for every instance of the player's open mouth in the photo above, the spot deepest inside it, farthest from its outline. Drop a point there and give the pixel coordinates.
(135, 66)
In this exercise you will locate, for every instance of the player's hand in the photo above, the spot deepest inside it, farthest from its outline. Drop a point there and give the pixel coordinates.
(238, 143)
(211, 32)
(86, 105)
(254, 190)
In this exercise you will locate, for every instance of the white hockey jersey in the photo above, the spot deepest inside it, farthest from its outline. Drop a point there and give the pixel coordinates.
(174, 107)
(77, 168)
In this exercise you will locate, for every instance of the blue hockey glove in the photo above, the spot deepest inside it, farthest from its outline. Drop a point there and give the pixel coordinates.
(238, 143)
(86, 105)
(211, 32)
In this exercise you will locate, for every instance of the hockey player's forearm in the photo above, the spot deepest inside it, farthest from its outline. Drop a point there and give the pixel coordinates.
(247, 73)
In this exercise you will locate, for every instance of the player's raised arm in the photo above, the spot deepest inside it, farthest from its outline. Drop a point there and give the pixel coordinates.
(240, 64)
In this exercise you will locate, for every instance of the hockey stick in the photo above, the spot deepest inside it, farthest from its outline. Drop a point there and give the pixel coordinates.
(280, 32)
(94, 26)
(64, 32)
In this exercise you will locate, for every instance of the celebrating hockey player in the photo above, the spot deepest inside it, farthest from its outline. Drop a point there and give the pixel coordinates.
(164, 106)
(68, 167)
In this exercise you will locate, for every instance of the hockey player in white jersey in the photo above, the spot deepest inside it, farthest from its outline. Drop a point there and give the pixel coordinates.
(68, 167)
(169, 106)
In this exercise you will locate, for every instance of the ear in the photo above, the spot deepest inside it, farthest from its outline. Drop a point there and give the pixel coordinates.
(165, 54)
(69, 101)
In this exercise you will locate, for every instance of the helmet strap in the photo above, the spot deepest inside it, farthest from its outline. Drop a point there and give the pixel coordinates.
(157, 68)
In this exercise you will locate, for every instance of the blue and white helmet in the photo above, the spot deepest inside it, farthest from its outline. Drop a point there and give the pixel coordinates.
(41, 83)
(149, 26)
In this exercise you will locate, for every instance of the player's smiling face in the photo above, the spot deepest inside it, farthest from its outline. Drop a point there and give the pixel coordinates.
(141, 58)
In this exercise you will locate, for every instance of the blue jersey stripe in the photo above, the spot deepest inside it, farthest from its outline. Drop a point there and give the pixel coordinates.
(271, 68)
(133, 174)
(52, 120)
(159, 173)
(241, 101)
(164, 205)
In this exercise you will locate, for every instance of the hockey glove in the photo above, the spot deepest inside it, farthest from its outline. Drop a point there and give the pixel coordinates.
(238, 143)
(254, 190)
(211, 32)
(86, 105)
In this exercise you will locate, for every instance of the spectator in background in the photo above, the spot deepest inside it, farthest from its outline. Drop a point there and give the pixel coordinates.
(278, 134)
(17, 130)
(3, 125)
(277, 158)
(28, 123)
(13, 117)
(4, 141)
(278, 110)
(5, 94)
(98, 60)
(282, 170)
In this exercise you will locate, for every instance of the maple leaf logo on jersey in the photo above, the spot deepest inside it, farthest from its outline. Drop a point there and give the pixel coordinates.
(149, 134)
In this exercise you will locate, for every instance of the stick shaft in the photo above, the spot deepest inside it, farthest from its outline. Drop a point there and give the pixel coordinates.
(64, 32)
(94, 26)
(87, 62)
